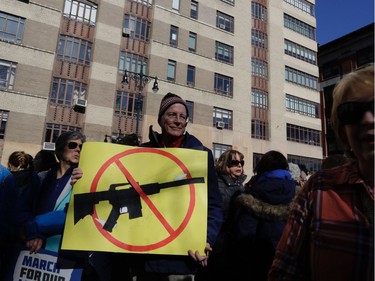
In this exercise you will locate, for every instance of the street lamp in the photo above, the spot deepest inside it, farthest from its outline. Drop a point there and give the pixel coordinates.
(141, 80)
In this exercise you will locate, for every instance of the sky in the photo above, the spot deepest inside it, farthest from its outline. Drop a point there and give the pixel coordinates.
(336, 18)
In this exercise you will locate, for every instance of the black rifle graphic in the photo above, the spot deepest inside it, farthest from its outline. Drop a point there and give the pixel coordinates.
(84, 202)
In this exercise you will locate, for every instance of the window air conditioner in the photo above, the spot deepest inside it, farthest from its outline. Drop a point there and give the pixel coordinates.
(222, 26)
(126, 32)
(220, 125)
(49, 146)
(80, 105)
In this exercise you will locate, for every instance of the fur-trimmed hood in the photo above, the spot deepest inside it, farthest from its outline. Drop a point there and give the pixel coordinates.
(261, 209)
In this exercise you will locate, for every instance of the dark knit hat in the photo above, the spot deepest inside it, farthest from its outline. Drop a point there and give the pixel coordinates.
(168, 100)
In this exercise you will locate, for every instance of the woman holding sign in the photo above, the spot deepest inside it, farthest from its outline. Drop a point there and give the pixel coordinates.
(45, 225)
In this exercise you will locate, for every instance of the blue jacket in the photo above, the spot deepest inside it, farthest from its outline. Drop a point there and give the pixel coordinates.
(8, 199)
(3, 172)
(261, 214)
(47, 219)
(174, 264)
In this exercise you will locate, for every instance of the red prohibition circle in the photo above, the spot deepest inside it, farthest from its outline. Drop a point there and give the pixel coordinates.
(173, 233)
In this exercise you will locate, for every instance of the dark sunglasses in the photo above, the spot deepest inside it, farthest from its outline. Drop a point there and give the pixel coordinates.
(236, 162)
(352, 112)
(73, 145)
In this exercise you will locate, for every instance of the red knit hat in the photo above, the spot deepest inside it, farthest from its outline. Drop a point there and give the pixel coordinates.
(168, 100)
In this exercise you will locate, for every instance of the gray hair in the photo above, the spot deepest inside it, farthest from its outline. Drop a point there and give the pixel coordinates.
(294, 170)
(63, 139)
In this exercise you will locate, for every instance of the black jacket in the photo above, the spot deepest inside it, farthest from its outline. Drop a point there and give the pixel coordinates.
(173, 264)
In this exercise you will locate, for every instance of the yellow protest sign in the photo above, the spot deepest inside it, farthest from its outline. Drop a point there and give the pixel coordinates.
(138, 200)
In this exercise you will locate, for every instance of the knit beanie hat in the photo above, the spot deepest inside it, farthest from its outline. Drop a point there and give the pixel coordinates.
(168, 100)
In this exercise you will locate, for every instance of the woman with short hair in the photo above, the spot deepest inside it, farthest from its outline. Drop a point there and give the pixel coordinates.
(330, 232)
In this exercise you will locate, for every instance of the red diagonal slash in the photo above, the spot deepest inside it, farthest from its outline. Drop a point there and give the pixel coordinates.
(145, 198)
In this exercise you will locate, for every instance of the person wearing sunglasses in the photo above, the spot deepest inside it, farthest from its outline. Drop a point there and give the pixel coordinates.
(330, 232)
(230, 172)
(44, 224)
(259, 217)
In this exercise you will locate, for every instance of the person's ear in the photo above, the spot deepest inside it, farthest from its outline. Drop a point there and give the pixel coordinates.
(187, 122)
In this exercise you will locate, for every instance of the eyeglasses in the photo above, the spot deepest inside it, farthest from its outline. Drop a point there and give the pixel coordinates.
(73, 145)
(236, 162)
(350, 113)
(175, 116)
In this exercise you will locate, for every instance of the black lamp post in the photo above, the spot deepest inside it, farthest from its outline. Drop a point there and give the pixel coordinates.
(141, 80)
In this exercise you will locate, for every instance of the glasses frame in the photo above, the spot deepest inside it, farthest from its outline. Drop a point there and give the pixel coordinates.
(175, 116)
(73, 145)
(234, 162)
(351, 113)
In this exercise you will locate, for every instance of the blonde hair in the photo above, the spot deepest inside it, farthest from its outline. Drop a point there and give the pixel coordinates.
(351, 87)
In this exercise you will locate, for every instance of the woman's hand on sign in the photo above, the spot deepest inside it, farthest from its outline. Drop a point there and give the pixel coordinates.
(201, 260)
(35, 245)
(77, 173)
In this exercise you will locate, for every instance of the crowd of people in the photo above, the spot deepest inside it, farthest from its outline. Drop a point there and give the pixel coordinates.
(283, 223)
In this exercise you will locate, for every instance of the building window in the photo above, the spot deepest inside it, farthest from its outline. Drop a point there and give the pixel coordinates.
(301, 78)
(330, 69)
(144, 2)
(7, 74)
(223, 85)
(302, 106)
(259, 98)
(125, 104)
(224, 52)
(74, 50)
(312, 164)
(192, 41)
(259, 129)
(137, 28)
(258, 11)
(173, 38)
(228, 1)
(176, 5)
(256, 158)
(302, 135)
(171, 71)
(82, 11)
(259, 39)
(303, 6)
(365, 56)
(299, 52)
(3, 122)
(219, 148)
(64, 91)
(259, 68)
(55, 130)
(224, 116)
(299, 27)
(11, 28)
(190, 106)
(194, 9)
(132, 62)
(224, 21)
(190, 79)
